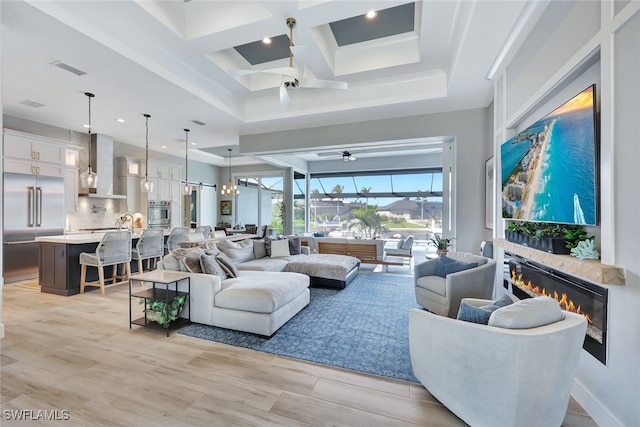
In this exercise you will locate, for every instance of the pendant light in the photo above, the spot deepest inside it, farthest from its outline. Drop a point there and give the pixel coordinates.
(186, 190)
(230, 188)
(146, 186)
(89, 179)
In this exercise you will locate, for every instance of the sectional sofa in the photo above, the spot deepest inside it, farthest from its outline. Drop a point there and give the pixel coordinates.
(253, 292)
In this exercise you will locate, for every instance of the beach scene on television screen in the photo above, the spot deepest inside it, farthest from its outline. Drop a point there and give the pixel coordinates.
(548, 170)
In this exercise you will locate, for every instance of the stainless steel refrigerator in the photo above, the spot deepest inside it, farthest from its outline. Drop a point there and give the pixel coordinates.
(33, 206)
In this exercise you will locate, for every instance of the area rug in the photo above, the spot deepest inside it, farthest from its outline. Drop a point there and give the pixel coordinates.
(363, 327)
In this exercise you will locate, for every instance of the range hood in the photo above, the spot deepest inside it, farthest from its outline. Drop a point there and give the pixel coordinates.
(102, 164)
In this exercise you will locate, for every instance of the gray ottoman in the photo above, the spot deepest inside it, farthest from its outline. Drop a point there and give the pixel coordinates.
(326, 270)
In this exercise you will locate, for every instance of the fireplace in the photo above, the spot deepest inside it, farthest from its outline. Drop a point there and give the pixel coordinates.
(527, 279)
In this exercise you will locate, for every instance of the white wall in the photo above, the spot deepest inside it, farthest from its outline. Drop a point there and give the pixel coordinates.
(574, 44)
(469, 128)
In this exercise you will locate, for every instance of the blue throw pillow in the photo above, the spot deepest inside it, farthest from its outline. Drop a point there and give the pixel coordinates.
(473, 314)
(448, 265)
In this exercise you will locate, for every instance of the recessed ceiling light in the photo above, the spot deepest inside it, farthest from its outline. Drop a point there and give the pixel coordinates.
(193, 143)
(120, 120)
(371, 14)
(164, 146)
(266, 40)
(86, 126)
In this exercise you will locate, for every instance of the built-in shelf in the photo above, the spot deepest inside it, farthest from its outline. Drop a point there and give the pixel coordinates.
(590, 270)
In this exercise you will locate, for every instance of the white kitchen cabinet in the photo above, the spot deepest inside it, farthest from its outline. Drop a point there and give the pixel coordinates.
(33, 168)
(71, 190)
(23, 146)
(176, 173)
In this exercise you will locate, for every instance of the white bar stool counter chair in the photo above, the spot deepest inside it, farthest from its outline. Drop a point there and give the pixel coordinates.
(113, 249)
(150, 247)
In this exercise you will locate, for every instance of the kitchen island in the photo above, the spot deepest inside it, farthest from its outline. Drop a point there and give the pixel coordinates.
(59, 269)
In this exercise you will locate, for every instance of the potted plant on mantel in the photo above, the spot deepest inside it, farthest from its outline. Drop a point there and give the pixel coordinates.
(440, 243)
(548, 237)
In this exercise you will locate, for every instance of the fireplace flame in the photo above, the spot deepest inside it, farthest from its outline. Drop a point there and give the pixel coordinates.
(564, 301)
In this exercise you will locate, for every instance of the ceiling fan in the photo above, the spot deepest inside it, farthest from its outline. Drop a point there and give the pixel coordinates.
(294, 78)
(346, 156)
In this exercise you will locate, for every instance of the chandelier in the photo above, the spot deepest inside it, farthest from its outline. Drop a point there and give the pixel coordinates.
(89, 179)
(230, 189)
(186, 190)
(146, 186)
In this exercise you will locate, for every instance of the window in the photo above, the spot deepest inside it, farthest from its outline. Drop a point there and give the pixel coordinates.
(403, 202)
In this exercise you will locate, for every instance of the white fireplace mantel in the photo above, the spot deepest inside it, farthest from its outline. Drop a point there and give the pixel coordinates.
(589, 270)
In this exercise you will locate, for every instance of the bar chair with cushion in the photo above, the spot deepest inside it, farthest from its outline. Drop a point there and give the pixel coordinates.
(113, 249)
(175, 237)
(150, 247)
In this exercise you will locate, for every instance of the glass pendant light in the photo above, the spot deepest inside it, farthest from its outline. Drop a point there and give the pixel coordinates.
(146, 186)
(229, 188)
(89, 179)
(186, 190)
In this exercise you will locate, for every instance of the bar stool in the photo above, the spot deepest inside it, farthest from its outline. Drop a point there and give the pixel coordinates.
(150, 246)
(113, 249)
(175, 237)
(205, 230)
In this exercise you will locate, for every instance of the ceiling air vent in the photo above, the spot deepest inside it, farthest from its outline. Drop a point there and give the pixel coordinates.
(30, 103)
(68, 68)
(198, 122)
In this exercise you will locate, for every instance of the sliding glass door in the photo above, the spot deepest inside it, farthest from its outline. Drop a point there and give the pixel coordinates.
(260, 202)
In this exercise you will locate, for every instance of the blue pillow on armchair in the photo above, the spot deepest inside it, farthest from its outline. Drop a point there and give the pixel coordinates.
(481, 315)
(448, 265)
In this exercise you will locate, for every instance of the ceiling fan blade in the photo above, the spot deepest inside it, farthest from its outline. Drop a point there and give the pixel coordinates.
(284, 96)
(284, 71)
(324, 84)
(300, 59)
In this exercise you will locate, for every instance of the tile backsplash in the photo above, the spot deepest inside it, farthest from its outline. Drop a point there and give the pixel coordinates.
(96, 213)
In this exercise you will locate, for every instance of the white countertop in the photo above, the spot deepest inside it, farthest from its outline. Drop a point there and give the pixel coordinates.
(75, 238)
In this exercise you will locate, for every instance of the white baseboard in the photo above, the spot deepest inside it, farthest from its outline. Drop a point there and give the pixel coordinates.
(596, 410)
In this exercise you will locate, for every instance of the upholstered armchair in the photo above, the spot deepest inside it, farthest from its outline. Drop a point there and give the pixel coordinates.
(442, 295)
(492, 376)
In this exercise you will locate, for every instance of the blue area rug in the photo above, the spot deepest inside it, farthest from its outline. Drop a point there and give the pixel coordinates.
(364, 327)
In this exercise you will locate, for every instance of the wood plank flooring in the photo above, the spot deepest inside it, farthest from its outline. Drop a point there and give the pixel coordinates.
(78, 354)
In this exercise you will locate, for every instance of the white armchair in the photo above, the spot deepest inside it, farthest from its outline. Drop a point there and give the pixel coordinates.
(490, 376)
(443, 295)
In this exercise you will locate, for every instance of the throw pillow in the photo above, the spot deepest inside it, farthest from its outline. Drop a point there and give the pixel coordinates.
(279, 248)
(473, 314)
(294, 245)
(171, 262)
(227, 265)
(193, 237)
(527, 313)
(267, 244)
(239, 252)
(192, 262)
(448, 265)
(259, 251)
(210, 265)
(180, 253)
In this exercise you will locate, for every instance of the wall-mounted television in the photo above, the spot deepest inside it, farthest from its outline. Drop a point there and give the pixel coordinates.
(550, 170)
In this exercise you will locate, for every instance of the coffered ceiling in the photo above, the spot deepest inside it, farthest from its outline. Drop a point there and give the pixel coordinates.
(172, 60)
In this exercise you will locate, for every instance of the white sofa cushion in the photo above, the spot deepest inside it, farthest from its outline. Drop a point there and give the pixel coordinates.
(527, 313)
(262, 292)
(259, 250)
(264, 264)
(193, 237)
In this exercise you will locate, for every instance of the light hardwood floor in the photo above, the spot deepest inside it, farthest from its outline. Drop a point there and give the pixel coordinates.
(78, 354)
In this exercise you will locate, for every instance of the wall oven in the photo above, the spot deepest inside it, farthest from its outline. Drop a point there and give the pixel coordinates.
(159, 214)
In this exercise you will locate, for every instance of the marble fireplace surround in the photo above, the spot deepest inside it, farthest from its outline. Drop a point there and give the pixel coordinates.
(589, 270)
